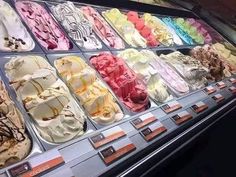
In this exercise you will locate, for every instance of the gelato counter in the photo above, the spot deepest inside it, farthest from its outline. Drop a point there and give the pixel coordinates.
(106, 89)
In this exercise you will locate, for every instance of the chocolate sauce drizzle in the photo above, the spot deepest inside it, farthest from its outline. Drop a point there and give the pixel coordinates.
(9, 130)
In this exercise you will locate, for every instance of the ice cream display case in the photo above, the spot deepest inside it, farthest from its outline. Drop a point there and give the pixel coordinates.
(105, 89)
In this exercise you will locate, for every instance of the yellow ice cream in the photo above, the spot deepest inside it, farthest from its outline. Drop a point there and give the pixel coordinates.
(93, 95)
(226, 54)
(160, 31)
(124, 27)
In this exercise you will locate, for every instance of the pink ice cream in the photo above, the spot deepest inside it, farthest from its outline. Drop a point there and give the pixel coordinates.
(43, 26)
(123, 81)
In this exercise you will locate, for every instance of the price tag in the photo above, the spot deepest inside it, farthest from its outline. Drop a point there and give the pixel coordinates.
(20, 169)
(153, 131)
(116, 151)
(171, 106)
(38, 165)
(221, 84)
(143, 120)
(218, 98)
(232, 89)
(209, 90)
(232, 80)
(182, 117)
(199, 107)
(106, 136)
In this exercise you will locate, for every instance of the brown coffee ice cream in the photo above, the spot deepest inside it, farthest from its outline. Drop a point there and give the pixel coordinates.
(14, 142)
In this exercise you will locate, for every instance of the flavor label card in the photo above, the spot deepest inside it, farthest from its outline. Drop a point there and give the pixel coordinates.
(153, 131)
(181, 117)
(218, 98)
(221, 84)
(106, 136)
(232, 80)
(20, 169)
(38, 165)
(171, 106)
(117, 151)
(232, 89)
(199, 107)
(143, 120)
(209, 90)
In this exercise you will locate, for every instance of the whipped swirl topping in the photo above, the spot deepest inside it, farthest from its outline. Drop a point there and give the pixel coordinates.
(77, 26)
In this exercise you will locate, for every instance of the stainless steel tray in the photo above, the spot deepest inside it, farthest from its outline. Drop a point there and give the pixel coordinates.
(174, 96)
(71, 42)
(54, 57)
(49, 6)
(130, 113)
(88, 127)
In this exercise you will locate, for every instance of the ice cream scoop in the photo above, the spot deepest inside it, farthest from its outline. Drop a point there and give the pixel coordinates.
(15, 144)
(57, 116)
(89, 89)
(191, 69)
(102, 29)
(218, 67)
(129, 89)
(43, 26)
(144, 30)
(142, 67)
(124, 27)
(77, 26)
(172, 79)
(13, 34)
